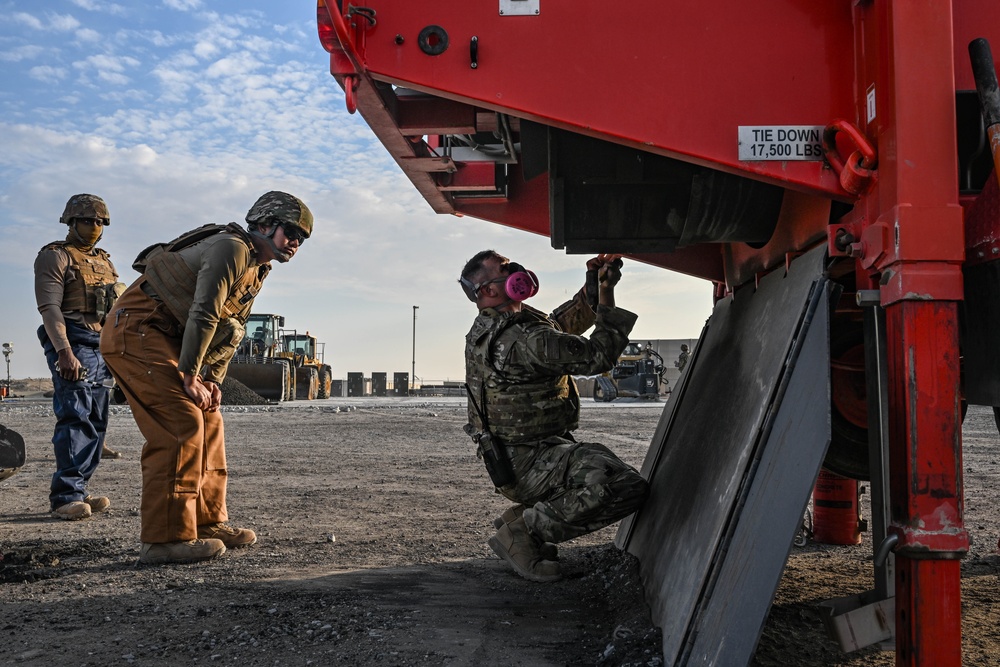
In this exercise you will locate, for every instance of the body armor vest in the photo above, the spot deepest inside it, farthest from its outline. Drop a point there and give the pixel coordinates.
(174, 281)
(519, 410)
(91, 284)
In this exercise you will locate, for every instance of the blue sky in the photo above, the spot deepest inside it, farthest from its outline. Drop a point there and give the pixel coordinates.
(182, 112)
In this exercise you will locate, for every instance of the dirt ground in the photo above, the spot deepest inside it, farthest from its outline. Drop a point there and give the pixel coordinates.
(372, 516)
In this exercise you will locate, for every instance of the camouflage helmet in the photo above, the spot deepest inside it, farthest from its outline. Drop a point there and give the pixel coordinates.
(85, 206)
(281, 208)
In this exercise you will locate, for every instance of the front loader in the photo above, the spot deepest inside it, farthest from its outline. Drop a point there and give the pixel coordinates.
(314, 377)
(260, 362)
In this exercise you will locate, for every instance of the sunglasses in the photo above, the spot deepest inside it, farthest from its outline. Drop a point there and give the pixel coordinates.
(294, 233)
(100, 222)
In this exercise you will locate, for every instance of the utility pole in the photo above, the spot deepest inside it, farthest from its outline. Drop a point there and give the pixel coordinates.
(8, 349)
(413, 368)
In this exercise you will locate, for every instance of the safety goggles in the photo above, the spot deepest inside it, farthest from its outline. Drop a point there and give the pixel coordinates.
(472, 289)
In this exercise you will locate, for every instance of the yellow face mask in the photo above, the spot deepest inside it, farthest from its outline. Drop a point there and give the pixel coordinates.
(85, 233)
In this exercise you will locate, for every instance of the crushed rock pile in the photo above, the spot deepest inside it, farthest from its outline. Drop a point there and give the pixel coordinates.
(235, 392)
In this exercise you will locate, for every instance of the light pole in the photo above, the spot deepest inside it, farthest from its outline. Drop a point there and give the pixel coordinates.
(8, 349)
(413, 368)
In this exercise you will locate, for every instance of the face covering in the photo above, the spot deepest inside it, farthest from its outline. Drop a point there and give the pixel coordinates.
(85, 236)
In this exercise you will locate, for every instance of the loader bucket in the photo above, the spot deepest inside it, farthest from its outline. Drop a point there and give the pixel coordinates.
(11, 452)
(270, 380)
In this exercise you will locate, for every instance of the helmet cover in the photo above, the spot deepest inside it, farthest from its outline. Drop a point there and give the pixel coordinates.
(85, 206)
(281, 208)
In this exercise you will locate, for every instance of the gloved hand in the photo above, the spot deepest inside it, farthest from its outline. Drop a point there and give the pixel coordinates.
(603, 271)
(610, 273)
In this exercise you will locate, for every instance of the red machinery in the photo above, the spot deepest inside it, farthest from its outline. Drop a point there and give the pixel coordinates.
(724, 139)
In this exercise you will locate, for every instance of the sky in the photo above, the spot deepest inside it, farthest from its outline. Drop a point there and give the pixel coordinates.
(183, 112)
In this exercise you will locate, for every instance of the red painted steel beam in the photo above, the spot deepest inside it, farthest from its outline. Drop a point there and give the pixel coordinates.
(419, 115)
(911, 244)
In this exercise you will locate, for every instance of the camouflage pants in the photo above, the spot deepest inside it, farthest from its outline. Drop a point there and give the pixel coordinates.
(574, 488)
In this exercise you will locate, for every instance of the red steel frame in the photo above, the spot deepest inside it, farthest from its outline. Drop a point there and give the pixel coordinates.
(913, 241)
(906, 223)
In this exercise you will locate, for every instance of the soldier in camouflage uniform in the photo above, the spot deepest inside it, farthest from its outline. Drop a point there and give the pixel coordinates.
(518, 367)
(169, 342)
(682, 358)
(75, 286)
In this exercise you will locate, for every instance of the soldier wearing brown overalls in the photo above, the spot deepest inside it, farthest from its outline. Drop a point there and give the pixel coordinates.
(168, 343)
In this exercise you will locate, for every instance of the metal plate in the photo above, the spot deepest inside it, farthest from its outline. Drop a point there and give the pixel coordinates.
(519, 7)
(732, 465)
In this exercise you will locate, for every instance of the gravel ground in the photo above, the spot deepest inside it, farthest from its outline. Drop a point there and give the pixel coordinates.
(373, 517)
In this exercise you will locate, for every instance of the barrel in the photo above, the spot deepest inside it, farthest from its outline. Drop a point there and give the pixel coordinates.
(836, 513)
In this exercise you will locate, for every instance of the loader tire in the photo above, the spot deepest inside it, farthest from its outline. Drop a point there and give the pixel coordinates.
(325, 382)
(306, 383)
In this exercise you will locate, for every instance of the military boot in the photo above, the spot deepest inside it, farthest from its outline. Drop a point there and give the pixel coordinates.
(548, 550)
(191, 551)
(515, 545)
(108, 453)
(231, 537)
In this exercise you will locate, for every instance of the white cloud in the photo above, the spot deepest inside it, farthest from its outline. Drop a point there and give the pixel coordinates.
(17, 54)
(29, 20)
(183, 5)
(88, 35)
(47, 73)
(63, 22)
(205, 49)
(94, 6)
(109, 69)
(58, 22)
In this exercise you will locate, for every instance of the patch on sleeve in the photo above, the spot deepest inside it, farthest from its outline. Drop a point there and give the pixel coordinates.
(564, 347)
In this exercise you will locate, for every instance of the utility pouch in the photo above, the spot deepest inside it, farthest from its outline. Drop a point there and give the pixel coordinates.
(228, 336)
(498, 464)
(491, 449)
(106, 297)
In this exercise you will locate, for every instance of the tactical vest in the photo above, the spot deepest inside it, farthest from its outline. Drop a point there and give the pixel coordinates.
(174, 281)
(91, 284)
(519, 411)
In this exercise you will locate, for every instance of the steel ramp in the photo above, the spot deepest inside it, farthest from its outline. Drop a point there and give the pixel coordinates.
(732, 465)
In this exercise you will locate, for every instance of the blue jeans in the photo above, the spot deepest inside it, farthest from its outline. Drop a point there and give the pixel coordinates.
(81, 409)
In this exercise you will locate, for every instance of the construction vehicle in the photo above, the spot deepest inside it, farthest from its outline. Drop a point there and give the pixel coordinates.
(827, 167)
(310, 368)
(260, 361)
(12, 452)
(638, 373)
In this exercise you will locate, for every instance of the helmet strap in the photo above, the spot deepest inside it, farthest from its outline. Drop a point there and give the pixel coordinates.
(280, 255)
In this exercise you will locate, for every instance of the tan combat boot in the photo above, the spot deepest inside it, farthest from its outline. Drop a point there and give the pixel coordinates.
(181, 552)
(73, 511)
(231, 537)
(515, 545)
(108, 453)
(547, 550)
(97, 503)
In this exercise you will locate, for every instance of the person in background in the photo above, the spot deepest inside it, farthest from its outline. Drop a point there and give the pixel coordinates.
(75, 287)
(682, 358)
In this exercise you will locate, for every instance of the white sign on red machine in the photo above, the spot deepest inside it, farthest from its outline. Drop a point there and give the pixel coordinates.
(780, 142)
